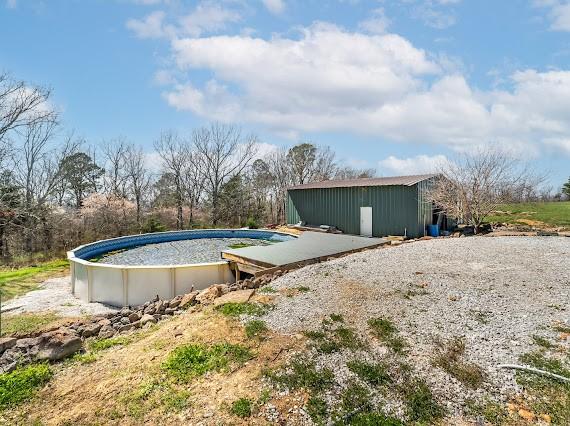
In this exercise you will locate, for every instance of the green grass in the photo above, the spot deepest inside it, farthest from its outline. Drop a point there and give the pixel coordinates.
(385, 330)
(551, 213)
(243, 407)
(21, 384)
(493, 412)
(238, 309)
(15, 282)
(373, 374)
(152, 394)
(102, 344)
(449, 357)
(86, 358)
(267, 289)
(543, 341)
(334, 336)
(23, 324)
(302, 373)
(189, 361)
(318, 410)
(255, 328)
(420, 403)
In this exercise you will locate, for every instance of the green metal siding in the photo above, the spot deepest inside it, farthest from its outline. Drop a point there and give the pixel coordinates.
(396, 209)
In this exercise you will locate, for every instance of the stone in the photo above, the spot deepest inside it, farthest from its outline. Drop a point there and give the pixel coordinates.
(187, 300)
(27, 342)
(149, 310)
(170, 311)
(104, 322)
(174, 303)
(546, 417)
(136, 324)
(147, 319)
(56, 346)
(239, 296)
(7, 343)
(91, 330)
(106, 332)
(134, 317)
(125, 320)
(159, 306)
(126, 327)
(207, 296)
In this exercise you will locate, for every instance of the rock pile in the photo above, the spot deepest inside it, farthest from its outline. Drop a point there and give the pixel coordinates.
(58, 344)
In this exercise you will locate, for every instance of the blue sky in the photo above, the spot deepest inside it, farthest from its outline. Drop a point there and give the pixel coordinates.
(398, 85)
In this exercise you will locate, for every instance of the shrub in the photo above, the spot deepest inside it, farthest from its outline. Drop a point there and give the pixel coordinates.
(251, 223)
(22, 383)
(242, 407)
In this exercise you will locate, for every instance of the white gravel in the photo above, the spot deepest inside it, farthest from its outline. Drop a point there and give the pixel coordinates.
(496, 293)
(54, 295)
(178, 252)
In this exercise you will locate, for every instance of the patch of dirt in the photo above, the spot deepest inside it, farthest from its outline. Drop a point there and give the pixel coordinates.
(95, 393)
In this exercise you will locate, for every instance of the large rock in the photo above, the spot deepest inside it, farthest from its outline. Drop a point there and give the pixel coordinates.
(7, 343)
(239, 296)
(188, 300)
(56, 345)
(106, 332)
(207, 296)
(146, 319)
(91, 330)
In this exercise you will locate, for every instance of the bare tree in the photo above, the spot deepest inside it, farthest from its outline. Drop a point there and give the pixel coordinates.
(137, 176)
(174, 154)
(194, 181)
(223, 153)
(347, 173)
(114, 152)
(473, 186)
(309, 163)
(22, 105)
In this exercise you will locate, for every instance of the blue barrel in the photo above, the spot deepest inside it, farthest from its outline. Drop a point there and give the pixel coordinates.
(433, 230)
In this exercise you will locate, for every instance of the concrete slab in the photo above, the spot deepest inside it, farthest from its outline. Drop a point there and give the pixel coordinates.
(309, 246)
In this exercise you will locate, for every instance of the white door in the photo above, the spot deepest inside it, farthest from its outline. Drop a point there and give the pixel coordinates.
(366, 221)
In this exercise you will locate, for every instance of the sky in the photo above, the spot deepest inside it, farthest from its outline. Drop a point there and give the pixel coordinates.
(400, 86)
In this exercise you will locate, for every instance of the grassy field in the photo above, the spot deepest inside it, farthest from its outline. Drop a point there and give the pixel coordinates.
(553, 214)
(14, 282)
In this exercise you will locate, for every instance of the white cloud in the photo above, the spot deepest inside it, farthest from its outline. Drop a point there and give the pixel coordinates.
(207, 17)
(377, 23)
(559, 13)
(149, 27)
(420, 164)
(274, 6)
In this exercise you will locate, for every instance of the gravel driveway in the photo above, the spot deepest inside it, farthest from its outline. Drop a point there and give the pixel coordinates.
(496, 293)
(54, 295)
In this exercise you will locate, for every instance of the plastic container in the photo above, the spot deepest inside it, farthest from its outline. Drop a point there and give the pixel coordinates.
(433, 230)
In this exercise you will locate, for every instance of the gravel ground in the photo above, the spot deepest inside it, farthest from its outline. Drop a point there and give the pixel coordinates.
(54, 295)
(178, 252)
(496, 293)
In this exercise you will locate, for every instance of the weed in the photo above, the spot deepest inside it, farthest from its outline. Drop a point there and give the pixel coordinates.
(255, 328)
(449, 358)
(155, 393)
(267, 289)
(240, 245)
(480, 316)
(374, 419)
(420, 403)
(353, 400)
(22, 324)
(332, 338)
(102, 344)
(188, 361)
(561, 328)
(538, 360)
(237, 309)
(302, 373)
(336, 318)
(386, 331)
(264, 397)
(414, 292)
(22, 383)
(492, 412)
(86, 358)
(317, 410)
(175, 400)
(542, 341)
(303, 289)
(243, 407)
(373, 374)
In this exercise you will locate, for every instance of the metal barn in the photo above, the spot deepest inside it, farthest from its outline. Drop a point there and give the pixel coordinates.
(369, 207)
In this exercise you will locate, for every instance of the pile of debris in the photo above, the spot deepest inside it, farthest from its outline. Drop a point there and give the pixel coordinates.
(60, 343)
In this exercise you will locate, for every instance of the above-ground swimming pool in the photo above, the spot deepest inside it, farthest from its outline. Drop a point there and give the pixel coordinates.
(129, 271)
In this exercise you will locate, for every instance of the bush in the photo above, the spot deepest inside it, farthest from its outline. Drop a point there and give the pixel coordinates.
(251, 223)
(242, 407)
(22, 383)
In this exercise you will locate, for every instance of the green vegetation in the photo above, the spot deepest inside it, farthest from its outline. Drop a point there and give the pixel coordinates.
(86, 358)
(267, 289)
(550, 213)
(334, 336)
(188, 361)
(302, 373)
(240, 245)
(547, 395)
(303, 289)
(251, 223)
(421, 406)
(543, 341)
(385, 330)
(237, 309)
(493, 413)
(102, 344)
(243, 407)
(22, 324)
(318, 410)
(255, 328)
(22, 383)
(151, 394)
(373, 374)
(14, 282)
(449, 358)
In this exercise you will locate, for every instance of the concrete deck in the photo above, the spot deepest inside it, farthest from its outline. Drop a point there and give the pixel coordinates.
(310, 247)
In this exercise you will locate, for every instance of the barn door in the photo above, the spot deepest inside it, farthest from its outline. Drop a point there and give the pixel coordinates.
(366, 221)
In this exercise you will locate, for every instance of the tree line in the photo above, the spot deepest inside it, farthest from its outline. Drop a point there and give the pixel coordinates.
(58, 191)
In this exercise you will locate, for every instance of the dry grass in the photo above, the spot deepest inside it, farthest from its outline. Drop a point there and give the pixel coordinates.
(126, 384)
